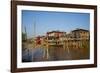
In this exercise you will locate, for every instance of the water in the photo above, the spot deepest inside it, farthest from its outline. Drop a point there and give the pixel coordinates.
(30, 55)
(55, 54)
(39, 54)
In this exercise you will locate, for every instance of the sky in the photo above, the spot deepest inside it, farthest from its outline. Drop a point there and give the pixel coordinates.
(46, 21)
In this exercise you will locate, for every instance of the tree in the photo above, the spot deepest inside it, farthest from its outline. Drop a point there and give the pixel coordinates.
(24, 37)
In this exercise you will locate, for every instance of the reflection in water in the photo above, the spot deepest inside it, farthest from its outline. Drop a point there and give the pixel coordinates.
(32, 55)
(40, 54)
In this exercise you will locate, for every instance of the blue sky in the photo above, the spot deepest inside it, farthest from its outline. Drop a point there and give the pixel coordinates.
(51, 21)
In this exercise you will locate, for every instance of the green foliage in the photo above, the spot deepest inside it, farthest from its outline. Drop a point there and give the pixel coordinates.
(24, 36)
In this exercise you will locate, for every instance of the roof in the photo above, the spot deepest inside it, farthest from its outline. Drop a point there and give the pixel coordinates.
(55, 32)
(80, 30)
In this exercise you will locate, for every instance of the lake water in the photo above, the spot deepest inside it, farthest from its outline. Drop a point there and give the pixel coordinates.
(40, 54)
